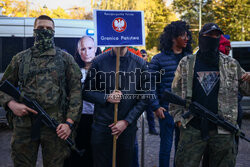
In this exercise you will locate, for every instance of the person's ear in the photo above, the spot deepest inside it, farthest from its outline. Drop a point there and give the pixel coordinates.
(95, 49)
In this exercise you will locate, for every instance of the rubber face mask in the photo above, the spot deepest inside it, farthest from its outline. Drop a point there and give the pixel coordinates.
(208, 49)
(44, 39)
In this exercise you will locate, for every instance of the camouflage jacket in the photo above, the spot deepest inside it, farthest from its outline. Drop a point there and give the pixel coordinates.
(53, 79)
(230, 73)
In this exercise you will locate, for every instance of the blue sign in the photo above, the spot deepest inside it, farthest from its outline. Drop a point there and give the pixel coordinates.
(119, 28)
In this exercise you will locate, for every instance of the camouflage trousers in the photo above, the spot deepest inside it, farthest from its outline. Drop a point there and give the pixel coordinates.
(191, 147)
(24, 151)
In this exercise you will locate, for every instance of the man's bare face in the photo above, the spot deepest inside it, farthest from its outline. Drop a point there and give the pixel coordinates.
(145, 56)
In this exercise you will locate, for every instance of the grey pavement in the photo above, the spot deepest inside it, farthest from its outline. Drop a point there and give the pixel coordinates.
(152, 144)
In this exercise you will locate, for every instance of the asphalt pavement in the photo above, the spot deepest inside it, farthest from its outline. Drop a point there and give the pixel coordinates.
(151, 147)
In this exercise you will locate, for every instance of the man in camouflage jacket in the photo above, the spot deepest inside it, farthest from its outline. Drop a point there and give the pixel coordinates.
(213, 80)
(51, 77)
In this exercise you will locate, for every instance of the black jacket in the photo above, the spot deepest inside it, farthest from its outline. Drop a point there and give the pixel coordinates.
(100, 82)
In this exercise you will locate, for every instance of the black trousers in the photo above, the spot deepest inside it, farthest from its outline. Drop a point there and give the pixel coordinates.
(83, 136)
(102, 145)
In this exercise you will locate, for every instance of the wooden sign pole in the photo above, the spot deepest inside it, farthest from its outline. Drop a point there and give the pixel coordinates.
(116, 104)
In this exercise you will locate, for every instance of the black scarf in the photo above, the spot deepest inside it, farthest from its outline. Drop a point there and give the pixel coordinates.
(209, 50)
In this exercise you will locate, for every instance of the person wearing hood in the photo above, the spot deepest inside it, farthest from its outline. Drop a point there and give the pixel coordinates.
(225, 45)
(50, 76)
(213, 80)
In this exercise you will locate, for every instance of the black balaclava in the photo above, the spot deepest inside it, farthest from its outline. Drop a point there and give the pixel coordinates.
(44, 39)
(209, 49)
(208, 46)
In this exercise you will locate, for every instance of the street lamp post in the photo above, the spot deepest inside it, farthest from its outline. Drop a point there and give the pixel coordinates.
(199, 15)
(27, 8)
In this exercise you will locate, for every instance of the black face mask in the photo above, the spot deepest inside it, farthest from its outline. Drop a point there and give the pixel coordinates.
(208, 50)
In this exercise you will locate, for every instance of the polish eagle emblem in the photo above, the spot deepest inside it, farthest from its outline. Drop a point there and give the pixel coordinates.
(119, 24)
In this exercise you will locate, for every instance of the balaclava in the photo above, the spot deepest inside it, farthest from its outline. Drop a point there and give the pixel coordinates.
(44, 39)
(209, 46)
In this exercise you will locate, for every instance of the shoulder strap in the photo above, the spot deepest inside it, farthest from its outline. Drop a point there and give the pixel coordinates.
(190, 76)
(59, 62)
(24, 67)
(62, 66)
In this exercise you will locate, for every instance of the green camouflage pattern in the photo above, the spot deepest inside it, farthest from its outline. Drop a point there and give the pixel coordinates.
(39, 77)
(43, 82)
(44, 39)
(222, 148)
(24, 151)
(230, 84)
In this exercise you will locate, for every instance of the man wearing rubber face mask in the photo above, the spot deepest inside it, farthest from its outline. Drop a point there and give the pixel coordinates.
(50, 76)
(213, 80)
